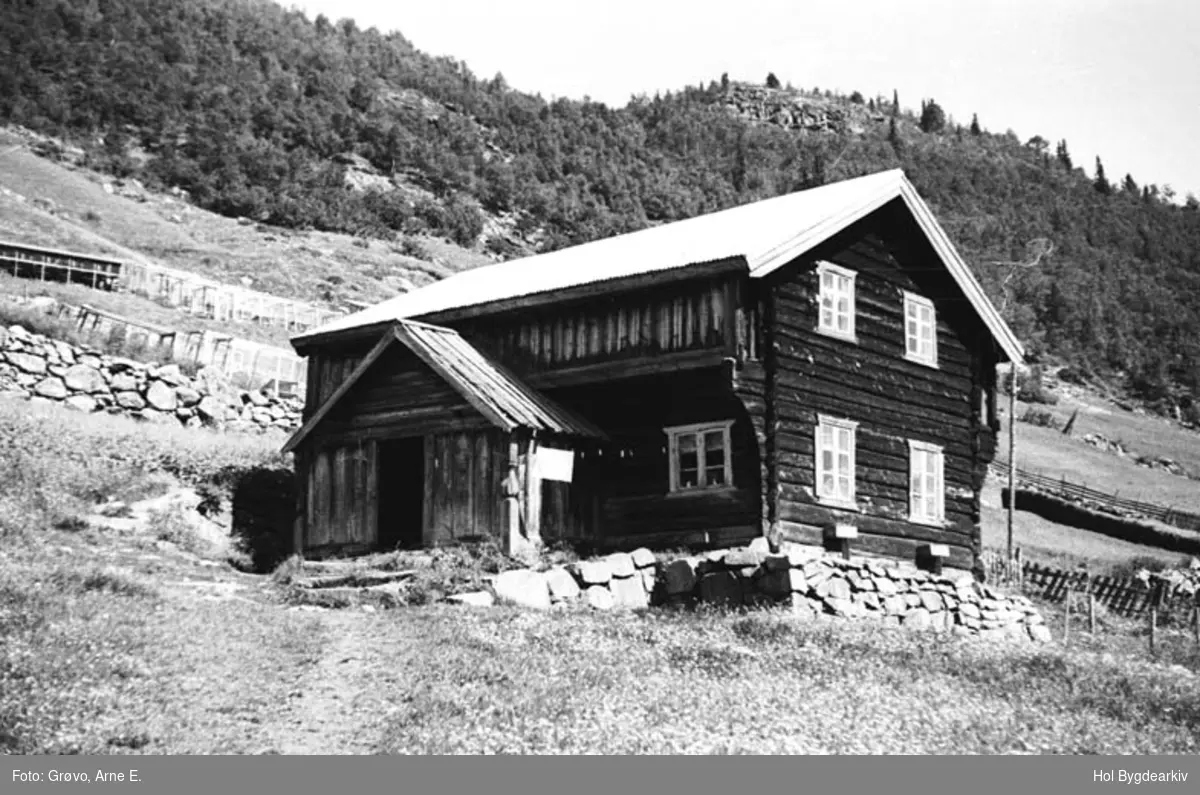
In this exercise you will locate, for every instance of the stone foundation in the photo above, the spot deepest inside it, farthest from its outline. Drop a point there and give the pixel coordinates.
(807, 580)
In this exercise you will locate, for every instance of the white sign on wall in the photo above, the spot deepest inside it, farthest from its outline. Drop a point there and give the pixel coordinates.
(551, 464)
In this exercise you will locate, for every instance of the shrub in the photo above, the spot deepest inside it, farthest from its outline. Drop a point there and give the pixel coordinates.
(1040, 418)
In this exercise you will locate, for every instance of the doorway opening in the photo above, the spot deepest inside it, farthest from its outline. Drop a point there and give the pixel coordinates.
(401, 488)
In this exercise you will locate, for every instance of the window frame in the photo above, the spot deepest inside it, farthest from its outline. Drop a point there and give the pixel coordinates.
(698, 430)
(851, 276)
(927, 449)
(919, 301)
(833, 500)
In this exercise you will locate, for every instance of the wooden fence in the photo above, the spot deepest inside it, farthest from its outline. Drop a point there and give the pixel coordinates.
(1125, 596)
(250, 364)
(1109, 503)
(178, 289)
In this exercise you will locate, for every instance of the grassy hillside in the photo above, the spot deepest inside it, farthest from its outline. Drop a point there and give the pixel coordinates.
(64, 206)
(259, 112)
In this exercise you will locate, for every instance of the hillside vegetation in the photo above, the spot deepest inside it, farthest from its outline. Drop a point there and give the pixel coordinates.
(259, 112)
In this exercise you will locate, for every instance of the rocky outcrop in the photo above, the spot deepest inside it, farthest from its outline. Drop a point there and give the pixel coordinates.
(810, 582)
(87, 380)
(794, 110)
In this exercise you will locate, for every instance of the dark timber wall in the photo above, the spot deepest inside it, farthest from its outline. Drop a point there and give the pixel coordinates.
(892, 399)
(631, 477)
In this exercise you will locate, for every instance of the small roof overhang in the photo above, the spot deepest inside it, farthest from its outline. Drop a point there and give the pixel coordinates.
(489, 388)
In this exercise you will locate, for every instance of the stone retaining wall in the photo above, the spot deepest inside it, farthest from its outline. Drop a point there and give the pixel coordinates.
(40, 369)
(809, 581)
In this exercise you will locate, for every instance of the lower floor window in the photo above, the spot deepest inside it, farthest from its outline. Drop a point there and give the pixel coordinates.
(926, 490)
(700, 456)
(835, 443)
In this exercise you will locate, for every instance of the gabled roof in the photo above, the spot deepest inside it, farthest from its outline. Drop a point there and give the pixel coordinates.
(491, 389)
(763, 235)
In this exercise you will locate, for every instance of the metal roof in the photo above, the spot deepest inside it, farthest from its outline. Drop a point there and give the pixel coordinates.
(492, 390)
(765, 235)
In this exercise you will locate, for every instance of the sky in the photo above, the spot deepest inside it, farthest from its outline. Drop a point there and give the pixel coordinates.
(1114, 79)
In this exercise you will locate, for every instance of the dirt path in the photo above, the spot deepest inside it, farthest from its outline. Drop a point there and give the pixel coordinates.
(338, 707)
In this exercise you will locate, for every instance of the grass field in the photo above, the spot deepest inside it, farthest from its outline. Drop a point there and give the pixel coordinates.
(117, 642)
(1048, 452)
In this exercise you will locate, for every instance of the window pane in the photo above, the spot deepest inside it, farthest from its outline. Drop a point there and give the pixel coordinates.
(827, 483)
(827, 460)
(715, 476)
(844, 488)
(689, 462)
(843, 464)
(714, 449)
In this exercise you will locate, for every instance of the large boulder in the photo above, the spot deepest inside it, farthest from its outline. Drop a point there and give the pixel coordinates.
(130, 400)
(563, 587)
(52, 388)
(522, 587)
(84, 403)
(161, 396)
(27, 362)
(187, 396)
(170, 374)
(81, 378)
(211, 410)
(629, 592)
(594, 572)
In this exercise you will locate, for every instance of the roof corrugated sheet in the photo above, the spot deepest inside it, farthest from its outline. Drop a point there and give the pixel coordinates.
(492, 390)
(765, 235)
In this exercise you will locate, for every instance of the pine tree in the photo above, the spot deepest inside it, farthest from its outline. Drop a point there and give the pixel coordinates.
(895, 103)
(975, 128)
(772, 80)
(933, 118)
(1063, 155)
(1101, 182)
(894, 136)
(1129, 186)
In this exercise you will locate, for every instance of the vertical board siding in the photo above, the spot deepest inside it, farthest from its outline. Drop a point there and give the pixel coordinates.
(689, 316)
(464, 485)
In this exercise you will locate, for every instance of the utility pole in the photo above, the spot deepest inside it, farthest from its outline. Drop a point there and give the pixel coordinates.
(1037, 250)
(1012, 455)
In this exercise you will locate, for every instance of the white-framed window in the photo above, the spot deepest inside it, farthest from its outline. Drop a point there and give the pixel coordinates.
(835, 461)
(920, 330)
(836, 300)
(700, 456)
(926, 490)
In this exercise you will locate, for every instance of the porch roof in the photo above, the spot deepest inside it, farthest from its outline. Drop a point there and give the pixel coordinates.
(491, 389)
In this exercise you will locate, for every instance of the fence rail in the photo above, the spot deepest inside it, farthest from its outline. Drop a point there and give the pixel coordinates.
(182, 290)
(1126, 596)
(1110, 503)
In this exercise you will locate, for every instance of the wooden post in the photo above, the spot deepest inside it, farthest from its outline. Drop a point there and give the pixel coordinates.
(1012, 454)
(1091, 608)
(1153, 625)
(1067, 620)
(1196, 619)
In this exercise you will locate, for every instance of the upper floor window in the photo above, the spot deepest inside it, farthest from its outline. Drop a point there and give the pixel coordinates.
(836, 300)
(700, 456)
(835, 461)
(926, 492)
(920, 330)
